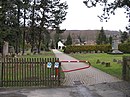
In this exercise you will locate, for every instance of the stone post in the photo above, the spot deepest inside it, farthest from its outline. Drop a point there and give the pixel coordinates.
(5, 48)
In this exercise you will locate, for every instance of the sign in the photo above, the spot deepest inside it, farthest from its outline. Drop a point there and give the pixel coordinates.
(49, 64)
(56, 65)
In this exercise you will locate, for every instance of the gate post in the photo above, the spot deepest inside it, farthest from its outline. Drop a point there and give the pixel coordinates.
(59, 73)
(1, 78)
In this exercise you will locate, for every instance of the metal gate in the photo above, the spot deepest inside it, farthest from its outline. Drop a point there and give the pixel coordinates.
(22, 72)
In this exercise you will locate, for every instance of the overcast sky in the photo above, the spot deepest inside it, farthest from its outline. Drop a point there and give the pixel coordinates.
(79, 17)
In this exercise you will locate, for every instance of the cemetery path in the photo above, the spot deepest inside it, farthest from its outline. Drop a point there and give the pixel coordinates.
(87, 77)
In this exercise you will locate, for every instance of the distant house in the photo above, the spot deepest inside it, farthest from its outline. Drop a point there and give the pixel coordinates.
(60, 45)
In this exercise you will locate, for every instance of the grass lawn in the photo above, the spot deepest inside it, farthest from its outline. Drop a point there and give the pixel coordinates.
(43, 54)
(115, 69)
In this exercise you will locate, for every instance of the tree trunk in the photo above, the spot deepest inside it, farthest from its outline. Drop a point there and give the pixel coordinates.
(23, 49)
(39, 42)
(32, 27)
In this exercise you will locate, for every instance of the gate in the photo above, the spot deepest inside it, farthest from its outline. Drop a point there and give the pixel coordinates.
(22, 72)
(126, 68)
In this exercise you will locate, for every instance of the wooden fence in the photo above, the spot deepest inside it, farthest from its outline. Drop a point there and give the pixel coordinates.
(126, 68)
(20, 72)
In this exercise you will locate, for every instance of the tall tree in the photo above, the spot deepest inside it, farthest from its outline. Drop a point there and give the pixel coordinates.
(58, 10)
(110, 40)
(25, 7)
(42, 15)
(101, 39)
(3, 27)
(124, 36)
(69, 40)
(10, 22)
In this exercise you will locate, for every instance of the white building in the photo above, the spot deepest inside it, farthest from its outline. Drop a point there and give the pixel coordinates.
(60, 45)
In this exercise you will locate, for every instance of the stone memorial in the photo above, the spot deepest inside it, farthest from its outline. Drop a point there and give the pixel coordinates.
(115, 42)
(5, 48)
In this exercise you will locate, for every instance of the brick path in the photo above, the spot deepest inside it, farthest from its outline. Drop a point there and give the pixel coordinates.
(88, 76)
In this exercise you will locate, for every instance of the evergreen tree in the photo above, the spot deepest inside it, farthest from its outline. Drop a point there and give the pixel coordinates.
(25, 7)
(101, 39)
(58, 11)
(69, 40)
(9, 22)
(52, 45)
(57, 38)
(124, 36)
(32, 16)
(110, 40)
(80, 40)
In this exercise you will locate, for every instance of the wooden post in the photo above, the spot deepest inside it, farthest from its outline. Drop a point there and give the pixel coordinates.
(2, 70)
(124, 68)
(59, 72)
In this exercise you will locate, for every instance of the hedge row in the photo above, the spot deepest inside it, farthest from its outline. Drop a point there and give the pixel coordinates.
(88, 48)
(125, 48)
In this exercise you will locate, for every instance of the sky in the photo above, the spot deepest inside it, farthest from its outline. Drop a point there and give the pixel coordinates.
(79, 17)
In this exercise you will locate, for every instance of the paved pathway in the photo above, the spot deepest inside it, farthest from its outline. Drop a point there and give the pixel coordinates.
(88, 76)
(92, 78)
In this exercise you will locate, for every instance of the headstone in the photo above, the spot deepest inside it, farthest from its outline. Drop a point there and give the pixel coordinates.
(98, 61)
(115, 42)
(11, 50)
(107, 64)
(114, 60)
(102, 63)
(119, 62)
(5, 48)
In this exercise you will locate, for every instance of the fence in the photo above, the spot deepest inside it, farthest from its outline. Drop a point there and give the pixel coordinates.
(126, 68)
(20, 72)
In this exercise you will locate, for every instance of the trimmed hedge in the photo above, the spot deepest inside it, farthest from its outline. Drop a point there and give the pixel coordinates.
(88, 48)
(125, 47)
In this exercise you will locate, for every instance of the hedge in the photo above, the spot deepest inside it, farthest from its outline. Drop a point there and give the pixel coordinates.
(125, 48)
(88, 48)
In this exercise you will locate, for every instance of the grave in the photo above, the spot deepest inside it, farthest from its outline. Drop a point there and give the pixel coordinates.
(115, 42)
(5, 49)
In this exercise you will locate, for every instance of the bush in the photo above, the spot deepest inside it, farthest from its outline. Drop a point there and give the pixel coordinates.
(89, 48)
(125, 47)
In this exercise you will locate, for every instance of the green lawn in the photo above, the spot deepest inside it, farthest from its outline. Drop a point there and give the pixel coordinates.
(48, 54)
(115, 69)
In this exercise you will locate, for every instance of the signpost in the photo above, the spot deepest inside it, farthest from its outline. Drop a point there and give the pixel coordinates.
(49, 64)
(56, 65)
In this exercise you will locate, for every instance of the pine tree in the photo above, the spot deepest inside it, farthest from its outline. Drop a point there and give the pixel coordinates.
(25, 7)
(110, 40)
(52, 45)
(37, 17)
(124, 36)
(101, 39)
(69, 40)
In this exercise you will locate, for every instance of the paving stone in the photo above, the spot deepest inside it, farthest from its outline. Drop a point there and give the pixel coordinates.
(97, 81)
(88, 76)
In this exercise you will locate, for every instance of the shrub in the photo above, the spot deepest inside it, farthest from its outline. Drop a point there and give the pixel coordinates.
(89, 48)
(125, 47)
